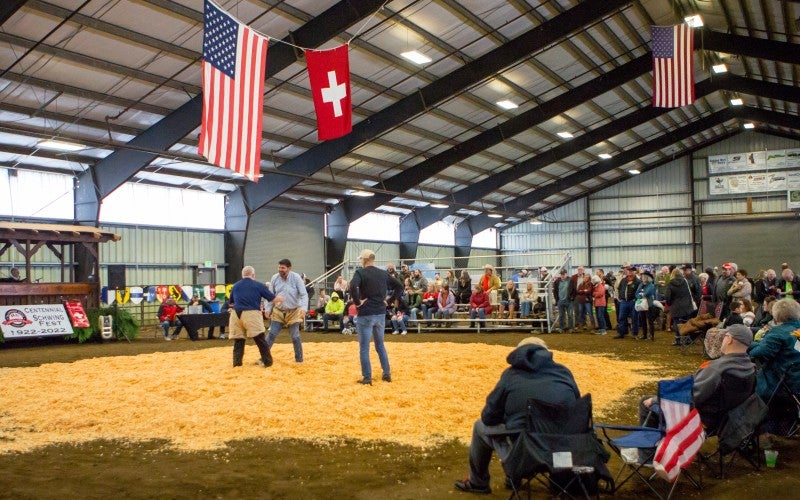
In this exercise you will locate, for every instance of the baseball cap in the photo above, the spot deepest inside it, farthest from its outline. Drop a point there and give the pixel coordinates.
(542, 269)
(727, 265)
(741, 334)
(687, 266)
(366, 254)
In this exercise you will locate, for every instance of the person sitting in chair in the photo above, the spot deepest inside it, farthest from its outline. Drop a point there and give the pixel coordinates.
(532, 374)
(167, 316)
(709, 390)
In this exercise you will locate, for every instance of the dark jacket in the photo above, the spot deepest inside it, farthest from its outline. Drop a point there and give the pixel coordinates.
(707, 391)
(696, 288)
(464, 291)
(370, 284)
(679, 298)
(781, 286)
(721, 288)
(776, 353)
(622, 288)
(571, 291)
(532, 374)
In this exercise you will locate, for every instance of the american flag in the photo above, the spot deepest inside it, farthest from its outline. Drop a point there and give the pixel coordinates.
(673, 66)
(685, 434)
(234, 62)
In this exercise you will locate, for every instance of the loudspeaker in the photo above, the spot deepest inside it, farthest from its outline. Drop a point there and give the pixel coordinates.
(116, 277)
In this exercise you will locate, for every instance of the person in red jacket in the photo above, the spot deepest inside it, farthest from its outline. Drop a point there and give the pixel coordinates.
(168, 316)
(479, 305)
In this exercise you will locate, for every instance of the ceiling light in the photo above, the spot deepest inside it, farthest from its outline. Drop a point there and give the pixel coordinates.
(719, 68)
(361, 193)
(506, 104)
(749, 125)
(604, 156)
(416, 57)
(737, 101)
(535, 221)
(694, 21)
(565, 135)
(60, 145)
(634, 171)
(495, 216)
(440, 205)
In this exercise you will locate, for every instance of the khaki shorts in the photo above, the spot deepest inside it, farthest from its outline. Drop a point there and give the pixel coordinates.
(247, 324)
(287, 317)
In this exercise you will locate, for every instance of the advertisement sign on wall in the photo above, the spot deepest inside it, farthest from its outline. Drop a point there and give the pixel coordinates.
(34, 321)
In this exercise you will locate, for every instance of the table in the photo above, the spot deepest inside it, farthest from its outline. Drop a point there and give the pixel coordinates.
(193, 322)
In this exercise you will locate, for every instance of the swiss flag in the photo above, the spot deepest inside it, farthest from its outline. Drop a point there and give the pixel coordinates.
(329, 73)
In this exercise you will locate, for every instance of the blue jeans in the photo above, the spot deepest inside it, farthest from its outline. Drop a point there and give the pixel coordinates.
(585, 310)
(479, 312)
(369, 328)
(565, 311)
(601, 317)
(427, 311)
(399, 324)
(525, 309)
(177, 324)
(294, 330)
(627, 310)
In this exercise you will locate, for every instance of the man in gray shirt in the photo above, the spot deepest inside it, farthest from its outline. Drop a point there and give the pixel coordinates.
(292, 311)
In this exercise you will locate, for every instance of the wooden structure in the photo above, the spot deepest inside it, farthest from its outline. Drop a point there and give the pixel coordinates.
(28, 239)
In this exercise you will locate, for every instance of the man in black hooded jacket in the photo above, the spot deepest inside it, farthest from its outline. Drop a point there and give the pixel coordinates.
(532, 374)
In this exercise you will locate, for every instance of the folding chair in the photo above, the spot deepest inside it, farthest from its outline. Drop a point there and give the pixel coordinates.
(737, 434)
(639, 446)
(560, 450)
(783, 417)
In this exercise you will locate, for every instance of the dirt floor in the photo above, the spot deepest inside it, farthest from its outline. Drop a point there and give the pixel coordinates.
(353, 469)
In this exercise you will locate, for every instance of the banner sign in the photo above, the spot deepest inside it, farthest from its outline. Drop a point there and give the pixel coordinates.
(34, 321)
(77, 314)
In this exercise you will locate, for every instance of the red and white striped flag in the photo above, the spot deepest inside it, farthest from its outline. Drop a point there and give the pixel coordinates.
(234, 62)
(682, 442)
(673, 66)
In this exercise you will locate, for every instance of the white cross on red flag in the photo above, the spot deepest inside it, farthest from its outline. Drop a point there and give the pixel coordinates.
(329, 74)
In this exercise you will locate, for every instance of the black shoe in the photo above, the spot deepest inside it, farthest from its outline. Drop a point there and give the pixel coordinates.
(465, 485)
(386, 377)
(365, 381)
(267, 360)
(677, 342)
(617, 337)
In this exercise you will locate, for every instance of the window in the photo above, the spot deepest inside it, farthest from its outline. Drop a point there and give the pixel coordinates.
(27, 193)
(375, 226)
(145, 204)
(485, 239)
(439, 233)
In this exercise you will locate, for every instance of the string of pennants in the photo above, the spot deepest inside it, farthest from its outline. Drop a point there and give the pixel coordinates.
(159, 293)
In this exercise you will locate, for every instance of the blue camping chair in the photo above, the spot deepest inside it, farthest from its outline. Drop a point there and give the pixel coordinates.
(636, 446)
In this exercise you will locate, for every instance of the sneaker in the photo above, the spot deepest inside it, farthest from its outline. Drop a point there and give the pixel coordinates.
(395, 332)
(386, 377)
(223, 337)
(466, 485)
(600, 332)
(365, 381)
(167, 338)
(403, 332)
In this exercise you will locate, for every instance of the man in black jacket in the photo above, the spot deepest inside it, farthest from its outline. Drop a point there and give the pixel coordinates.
(532, 374)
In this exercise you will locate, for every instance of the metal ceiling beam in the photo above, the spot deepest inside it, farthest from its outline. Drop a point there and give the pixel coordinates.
(482, 222)
(121, 165)
(274, 184)
(8, 8)
(429, 215)
(759, 48)
(353, 207)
